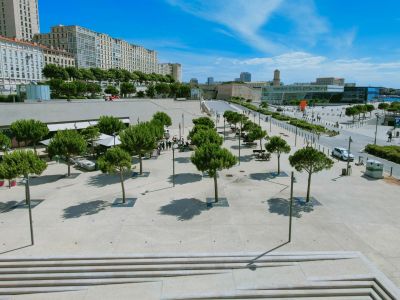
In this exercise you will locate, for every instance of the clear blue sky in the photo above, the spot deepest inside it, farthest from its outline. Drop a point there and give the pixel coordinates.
(305, 39)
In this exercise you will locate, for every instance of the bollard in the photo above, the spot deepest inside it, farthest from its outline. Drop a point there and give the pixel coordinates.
(391, 171)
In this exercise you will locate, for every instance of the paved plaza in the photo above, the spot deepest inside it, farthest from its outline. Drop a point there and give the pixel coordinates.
(76, 216)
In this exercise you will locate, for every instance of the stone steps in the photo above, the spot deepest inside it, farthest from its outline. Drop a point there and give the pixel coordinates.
(22, 276)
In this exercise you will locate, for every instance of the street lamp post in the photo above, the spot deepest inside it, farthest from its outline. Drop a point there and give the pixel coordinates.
(183, 124)
(376, 127)
(174, 146)
(240, 135)
(224, 129)
(348, 157)
(295, 138)
(291, 207)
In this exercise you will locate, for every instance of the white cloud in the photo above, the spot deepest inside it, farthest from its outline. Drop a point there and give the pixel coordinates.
(242, 18)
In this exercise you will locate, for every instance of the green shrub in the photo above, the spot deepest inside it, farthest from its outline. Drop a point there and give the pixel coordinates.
(391, 153)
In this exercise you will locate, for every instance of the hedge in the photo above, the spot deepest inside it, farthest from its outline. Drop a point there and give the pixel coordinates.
(391, 153)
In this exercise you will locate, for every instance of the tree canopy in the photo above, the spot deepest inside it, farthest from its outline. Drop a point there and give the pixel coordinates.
(139, 140)
(110, 125)
(207, 136)
(29, 131)
(5, 142)
(67, 143)
(116, 161)
(163, 117)
(277, 145)
(310, 160)
(211, 158)
(205, 121)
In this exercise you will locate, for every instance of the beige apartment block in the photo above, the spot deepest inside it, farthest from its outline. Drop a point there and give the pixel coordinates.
(19, 19)
(58, 57)
(175, 70)
(227, 91)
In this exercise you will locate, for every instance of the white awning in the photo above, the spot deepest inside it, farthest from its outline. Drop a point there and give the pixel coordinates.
(82, 125)
(45, 142)
(109, 142)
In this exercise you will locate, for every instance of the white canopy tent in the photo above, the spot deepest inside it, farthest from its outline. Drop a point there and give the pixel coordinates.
(109, 141)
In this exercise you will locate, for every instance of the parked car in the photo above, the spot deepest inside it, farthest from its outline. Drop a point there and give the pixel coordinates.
(342, 153)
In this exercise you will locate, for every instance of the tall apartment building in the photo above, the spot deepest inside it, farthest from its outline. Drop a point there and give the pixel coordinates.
(20, 63)
(245, 77)
(175, 70)
(19, 19)
(99, 50)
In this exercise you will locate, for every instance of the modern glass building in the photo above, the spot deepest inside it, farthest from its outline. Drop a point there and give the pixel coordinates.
(285, 94)
(357, 94)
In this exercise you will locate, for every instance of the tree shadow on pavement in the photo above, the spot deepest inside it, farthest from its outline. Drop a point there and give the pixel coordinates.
(184, 209)
(101, 180)
(280, 206)
(182, 160)
(45, 179)
(85, 209)
(185, 178)
(7, 206)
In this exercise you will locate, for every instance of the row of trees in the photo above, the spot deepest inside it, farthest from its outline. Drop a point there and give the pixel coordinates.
(81, 89)
(358, 110)
(52, 71)
(209, 156)
(391, 107)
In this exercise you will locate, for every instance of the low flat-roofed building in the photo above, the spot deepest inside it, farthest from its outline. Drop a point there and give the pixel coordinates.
(287, 93)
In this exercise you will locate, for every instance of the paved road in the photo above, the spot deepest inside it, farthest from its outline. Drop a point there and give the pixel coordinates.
(357, 146)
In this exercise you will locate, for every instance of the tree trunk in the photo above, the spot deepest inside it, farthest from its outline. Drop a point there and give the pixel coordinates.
(140, 163)
(261, 144)
(308, 187)
(216, 187)
(121, 175)
(34, 148)
(279, 164)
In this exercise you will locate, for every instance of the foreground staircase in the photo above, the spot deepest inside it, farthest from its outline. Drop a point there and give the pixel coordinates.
(29, 276)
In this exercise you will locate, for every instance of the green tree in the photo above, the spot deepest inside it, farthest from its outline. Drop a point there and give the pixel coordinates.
(99, 74)
(116, 161)
(205, 121)
(277, 145)
(93, 88)
(110, 125)
(151, 91)
(81, 87)
(91, 134)
(310, 160)
(351, 112)
(73, 73)
(68, 89)
(5, 142)
(29, 131)
(87, 74)
(162, 88)
(55, 87)
(163, 117)
(383, 106)
(67, 143)
(208, 136)
(140, 94)
(157, 128)
(24, 163)
(139, 140)
(55, 72)
(8, 172)
(127, 88)
(256, 133)
(111, 90)
(211, 158)
(197, 129)
(370, 108)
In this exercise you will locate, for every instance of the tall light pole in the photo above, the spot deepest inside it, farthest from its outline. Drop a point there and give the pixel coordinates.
(376, 127)
(224, 129)
(348, 157)
(291, 207)
(174, 146)
(240, 134)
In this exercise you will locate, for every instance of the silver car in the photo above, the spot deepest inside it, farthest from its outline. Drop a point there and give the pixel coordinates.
(343, 154)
